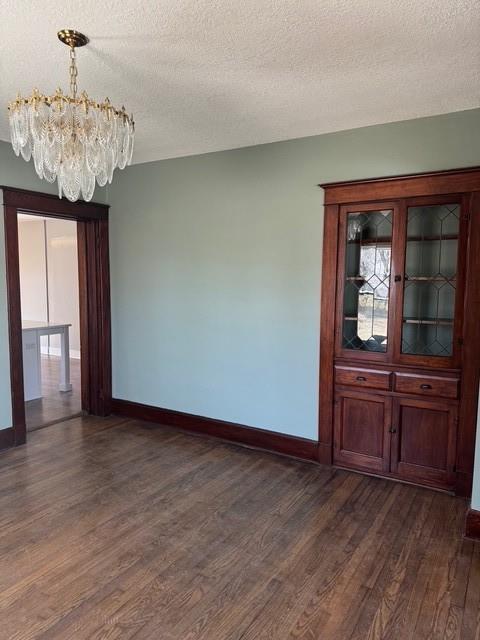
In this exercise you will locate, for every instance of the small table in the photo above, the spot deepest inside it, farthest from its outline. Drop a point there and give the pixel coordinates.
(32, 370)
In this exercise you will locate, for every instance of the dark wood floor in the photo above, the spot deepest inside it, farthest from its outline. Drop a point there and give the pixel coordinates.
(54, 405)
(116, 529)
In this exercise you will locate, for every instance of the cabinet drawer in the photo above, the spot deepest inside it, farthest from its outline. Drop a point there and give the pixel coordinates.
(426, 385)
(371, 378)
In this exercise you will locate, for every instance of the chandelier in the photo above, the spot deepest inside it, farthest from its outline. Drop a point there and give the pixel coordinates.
(71, 138)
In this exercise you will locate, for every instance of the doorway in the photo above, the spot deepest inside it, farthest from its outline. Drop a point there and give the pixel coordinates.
(48, 262)
(66, 325)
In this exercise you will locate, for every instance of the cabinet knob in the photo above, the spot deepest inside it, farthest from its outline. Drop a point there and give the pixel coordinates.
(393, 430)
(425, 386)
(398, 278)
(361, 378)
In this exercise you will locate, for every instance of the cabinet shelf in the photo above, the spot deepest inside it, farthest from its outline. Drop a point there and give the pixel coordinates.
(440, 321)
(379, 240)
(430, 279)
(407, 278)
(447, 236)
(388, 240)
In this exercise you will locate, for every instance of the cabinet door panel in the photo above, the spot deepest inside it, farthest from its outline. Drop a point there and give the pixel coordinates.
(362, 435)
(423, 444)
(429, 311)
(364, 312)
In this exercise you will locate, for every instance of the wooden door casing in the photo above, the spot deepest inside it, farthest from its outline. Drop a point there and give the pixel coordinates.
(94, 298)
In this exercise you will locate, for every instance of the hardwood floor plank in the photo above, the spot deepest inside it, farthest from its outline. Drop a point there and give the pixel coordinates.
(351, 595)
(471, 611)
(54, 405)
(148, 580)
(248, 555)
(110, 528)
(323, 567)
(117, 530)
(443, 546)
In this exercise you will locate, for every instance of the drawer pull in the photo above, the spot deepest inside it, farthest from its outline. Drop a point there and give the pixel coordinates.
(361, 379)
(425, 386)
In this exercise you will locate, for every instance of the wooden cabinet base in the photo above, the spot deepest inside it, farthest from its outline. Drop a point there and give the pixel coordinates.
(394, 478)
(411, 439)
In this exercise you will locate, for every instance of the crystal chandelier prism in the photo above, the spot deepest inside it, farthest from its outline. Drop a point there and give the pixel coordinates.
(71, 138)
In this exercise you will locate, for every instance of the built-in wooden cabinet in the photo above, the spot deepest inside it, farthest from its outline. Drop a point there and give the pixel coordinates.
(408, 438)
(400, 351)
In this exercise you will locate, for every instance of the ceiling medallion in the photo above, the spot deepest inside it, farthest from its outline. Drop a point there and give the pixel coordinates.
(71, 137)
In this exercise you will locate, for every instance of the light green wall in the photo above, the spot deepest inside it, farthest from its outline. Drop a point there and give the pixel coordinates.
(15, 172)
(215, 264)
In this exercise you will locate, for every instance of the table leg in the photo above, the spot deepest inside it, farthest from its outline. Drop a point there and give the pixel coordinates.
(65, 384)
(32, 370)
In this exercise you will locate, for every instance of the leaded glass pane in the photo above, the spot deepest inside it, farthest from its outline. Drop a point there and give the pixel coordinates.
(367, 280)
(430, 280)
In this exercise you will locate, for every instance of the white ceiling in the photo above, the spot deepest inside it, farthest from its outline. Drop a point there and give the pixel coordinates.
(205, 75)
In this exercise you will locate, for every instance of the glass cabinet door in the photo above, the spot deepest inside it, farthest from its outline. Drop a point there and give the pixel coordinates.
(430, 280)
(368, 254)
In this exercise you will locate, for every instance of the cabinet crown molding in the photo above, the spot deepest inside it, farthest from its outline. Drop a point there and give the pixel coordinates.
(403, 186)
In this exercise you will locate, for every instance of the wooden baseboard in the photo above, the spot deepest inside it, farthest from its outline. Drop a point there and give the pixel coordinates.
(463, 484)
(472, 524)
(249, 436)
(324, 453)
(7, 438)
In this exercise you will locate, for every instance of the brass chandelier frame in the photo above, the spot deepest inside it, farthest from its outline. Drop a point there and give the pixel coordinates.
(73, 39)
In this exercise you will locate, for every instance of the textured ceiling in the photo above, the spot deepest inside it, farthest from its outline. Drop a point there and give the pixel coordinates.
(204, 75)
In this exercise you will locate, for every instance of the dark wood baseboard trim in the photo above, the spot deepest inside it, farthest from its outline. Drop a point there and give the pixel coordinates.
(324, 453)
(249, 436)
(472, 524)
(7, 438)
(463, 484)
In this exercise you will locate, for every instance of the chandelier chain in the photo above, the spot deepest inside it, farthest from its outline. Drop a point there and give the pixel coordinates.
(73, 72)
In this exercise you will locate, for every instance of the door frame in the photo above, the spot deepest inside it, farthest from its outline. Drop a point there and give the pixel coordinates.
(337, 194)
(94, 298)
